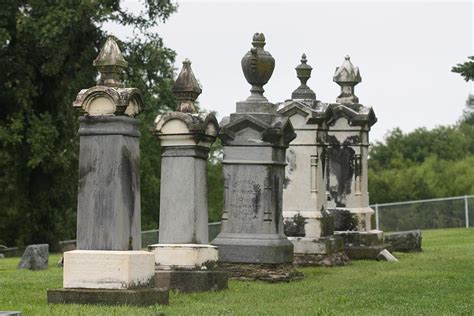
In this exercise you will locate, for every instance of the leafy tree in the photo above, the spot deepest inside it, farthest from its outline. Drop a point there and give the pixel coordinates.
(46, 53)
(466, 69)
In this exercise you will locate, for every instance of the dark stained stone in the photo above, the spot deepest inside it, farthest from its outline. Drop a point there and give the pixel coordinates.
(192, 281)
(138, 297)
(407, 241)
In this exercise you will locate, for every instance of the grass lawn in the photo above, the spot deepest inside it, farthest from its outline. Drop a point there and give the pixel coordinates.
(438, 281)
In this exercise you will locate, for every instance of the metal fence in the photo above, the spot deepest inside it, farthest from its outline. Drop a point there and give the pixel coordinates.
(150, 237)
(447, 212)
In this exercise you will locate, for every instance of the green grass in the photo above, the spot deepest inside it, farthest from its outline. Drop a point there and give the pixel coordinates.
(438, 281)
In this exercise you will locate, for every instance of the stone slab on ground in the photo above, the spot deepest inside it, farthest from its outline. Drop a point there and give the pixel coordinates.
(406, 241)
(100, 269)
(385, 255)
(137, 297)
(271, 273)
(192, 281)
(10, 313)
(336, 259)
(358, 252)
(35, 257)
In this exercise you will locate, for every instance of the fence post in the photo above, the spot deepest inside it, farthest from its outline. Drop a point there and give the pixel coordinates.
(466, 208)
(377, 216)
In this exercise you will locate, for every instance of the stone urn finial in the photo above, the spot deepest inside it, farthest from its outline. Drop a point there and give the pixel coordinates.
(110, 63)
(258, 66)
(186, 89)
(347, 76)
(303, 72)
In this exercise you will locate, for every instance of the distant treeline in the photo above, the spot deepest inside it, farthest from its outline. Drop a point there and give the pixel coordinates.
(424, 163)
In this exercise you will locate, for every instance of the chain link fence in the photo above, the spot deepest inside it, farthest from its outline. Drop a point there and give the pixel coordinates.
(448, 212)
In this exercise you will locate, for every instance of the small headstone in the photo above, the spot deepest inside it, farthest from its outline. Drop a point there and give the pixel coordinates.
(35, 257)
(385, 255)
(2, 256)
(407, 241)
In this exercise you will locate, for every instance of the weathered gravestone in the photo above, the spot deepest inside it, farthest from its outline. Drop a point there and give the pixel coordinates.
(255, 139)
(308, 225)
(347, 173)
(35, 257)
(184, 259)
(108, 267)
(407, 241)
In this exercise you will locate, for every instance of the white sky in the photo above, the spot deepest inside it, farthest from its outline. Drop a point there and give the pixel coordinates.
(404, 50)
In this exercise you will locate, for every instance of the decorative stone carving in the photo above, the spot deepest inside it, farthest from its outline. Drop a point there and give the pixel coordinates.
(255, 139)
(109, 97)
(347, 76)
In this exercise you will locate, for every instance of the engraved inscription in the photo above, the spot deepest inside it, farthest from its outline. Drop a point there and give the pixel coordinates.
(245, 202)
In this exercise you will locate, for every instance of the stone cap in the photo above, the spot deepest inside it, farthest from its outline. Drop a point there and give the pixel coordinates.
(315, 112)
(303, 72)
(356, 114)
(186, 89)
(109, 97)
(199, 127)
(347, 72)
(347, 76)
(275, 130)
(110, 63)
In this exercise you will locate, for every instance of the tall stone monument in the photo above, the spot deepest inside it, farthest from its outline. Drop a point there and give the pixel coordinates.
(109, 267)
(347, 182)
(308, 225)
(183, 257)
(255, 140)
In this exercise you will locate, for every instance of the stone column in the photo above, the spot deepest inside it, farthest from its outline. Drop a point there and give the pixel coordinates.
(185, 137)
(255, 140)
(308, 225)
(347, 182)
(109, 267)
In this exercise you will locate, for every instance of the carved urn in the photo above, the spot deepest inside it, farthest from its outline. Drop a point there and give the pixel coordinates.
(258, 66)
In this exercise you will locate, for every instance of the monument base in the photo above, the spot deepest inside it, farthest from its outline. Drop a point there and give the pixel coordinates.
(336, 259)
(258, 249)
(138, 297)
(183, 256)
(188, 267)
(192, 280)
(317, 252)
(107, 269)
(272, 273)
(321, 245)
(363, 244)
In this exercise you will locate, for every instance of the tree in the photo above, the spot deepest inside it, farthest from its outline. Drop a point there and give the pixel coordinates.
(466, 69)
(46, 54)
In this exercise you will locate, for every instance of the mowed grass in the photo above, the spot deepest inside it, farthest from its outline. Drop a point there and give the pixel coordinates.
(438, 281)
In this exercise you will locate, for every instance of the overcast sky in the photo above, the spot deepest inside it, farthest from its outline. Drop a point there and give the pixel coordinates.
(404, 51)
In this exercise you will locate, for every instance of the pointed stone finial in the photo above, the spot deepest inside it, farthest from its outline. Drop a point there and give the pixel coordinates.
(110, 63)
(258, 66)
(347, 76)
(186, 89)
(303, 72)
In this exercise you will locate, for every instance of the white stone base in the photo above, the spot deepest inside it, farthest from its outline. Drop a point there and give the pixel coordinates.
(102, 269)
(316, 246)
(187, 256)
